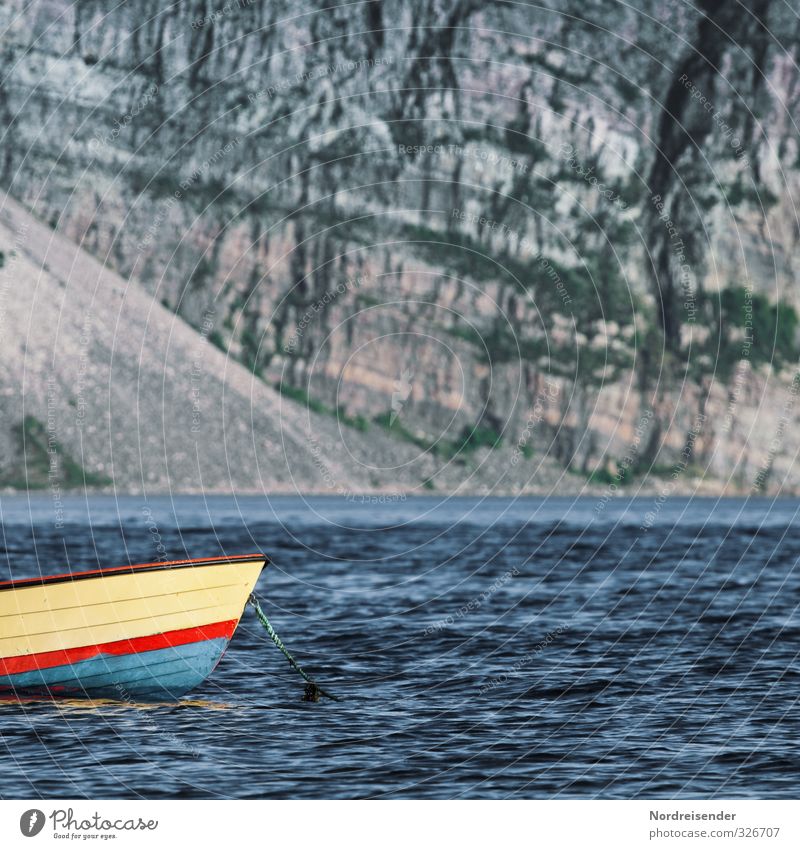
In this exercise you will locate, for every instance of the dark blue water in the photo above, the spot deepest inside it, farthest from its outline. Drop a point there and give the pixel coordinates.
(497, 648)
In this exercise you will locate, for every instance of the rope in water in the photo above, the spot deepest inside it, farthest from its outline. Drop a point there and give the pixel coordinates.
(313, 690)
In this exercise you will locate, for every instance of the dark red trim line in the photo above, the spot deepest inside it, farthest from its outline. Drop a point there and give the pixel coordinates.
(138, 567)
(64, 657)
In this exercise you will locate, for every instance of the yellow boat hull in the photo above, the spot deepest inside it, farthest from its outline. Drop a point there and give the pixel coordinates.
(153, 630)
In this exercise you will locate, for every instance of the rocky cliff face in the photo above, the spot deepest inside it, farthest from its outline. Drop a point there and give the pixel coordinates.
(479, 234)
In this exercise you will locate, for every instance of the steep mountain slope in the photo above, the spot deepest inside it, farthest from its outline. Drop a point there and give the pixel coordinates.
(102, 386)
(450, 229)
(100, 375)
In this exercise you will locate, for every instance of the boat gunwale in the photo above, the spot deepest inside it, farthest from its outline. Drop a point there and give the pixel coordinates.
(134, 568)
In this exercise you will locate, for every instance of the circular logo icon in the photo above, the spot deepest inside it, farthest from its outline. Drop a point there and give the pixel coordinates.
(31, 822)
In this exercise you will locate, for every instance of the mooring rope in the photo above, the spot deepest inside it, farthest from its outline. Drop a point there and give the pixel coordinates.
(313, 690)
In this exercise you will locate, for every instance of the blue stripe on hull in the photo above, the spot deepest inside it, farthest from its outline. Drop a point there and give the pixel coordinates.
(162, 673)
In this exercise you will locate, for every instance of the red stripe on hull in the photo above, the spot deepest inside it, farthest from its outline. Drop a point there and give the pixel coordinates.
(44, 660)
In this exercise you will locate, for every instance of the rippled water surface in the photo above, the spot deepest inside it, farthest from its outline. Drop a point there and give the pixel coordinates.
(495, 648)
